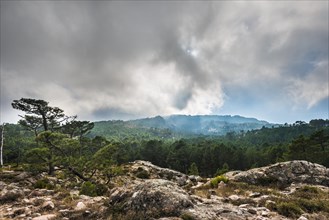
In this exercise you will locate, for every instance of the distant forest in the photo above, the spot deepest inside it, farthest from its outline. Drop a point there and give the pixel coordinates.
(46, 139)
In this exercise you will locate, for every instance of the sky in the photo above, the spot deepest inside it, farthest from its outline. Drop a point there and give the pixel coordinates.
(104, 60)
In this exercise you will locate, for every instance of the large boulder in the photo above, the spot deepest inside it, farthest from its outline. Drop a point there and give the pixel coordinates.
(152, 171)
(284, 174)
(153, 198)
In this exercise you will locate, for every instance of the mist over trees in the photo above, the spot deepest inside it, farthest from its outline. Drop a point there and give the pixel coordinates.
(46, 139)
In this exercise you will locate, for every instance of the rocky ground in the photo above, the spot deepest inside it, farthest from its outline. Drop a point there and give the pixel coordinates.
(290, 190)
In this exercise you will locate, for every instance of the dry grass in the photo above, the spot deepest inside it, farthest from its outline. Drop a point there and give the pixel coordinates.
(307, 199)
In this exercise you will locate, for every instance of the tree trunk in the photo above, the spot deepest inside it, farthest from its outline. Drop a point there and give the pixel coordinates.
(51, 169)
(1, 157)
(78, 174)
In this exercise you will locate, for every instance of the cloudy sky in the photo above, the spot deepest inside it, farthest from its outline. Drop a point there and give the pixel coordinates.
(120, 60)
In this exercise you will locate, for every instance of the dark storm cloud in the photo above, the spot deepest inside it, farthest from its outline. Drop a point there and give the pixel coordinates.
(115, 59)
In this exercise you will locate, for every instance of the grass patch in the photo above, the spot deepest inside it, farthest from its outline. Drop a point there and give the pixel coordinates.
(289, 209)
(307, 199)
(313, 205)
(307, 192)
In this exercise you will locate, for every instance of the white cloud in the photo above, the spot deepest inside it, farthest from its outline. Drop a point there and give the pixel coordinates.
(313, 88)
(150, 58)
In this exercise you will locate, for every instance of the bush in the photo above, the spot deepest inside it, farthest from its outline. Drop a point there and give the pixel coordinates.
(143, 174)
(35, 168)
(91, 189)
(311, 205)
(60, 175)
(88, 189)
(307, 192)
(43, 183)
(289, 209)
(267, 181)
(101, 189)
(10, 197)
(214, 182)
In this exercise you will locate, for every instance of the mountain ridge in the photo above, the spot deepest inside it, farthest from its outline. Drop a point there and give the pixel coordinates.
(188, 124)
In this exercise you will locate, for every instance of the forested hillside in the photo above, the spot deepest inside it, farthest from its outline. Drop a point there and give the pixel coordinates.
(41, 146)
(176, 126)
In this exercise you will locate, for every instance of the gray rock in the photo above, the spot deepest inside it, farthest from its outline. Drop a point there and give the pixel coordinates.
(2, 185)
(22, 176)
(152, 198)
(45, 217)
(27, 211)
(156, 172)
(284, 174)
(234, 197)
(37, 214)
(252, 211)
(80, 206)
(48, 205)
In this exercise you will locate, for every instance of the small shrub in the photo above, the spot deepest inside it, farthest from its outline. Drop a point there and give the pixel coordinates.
(307, 192)
(60, 175)
(310, 189)
(35, 168)
(270, 205)
(18, 168)
(101, 189)
(43, 184)
(214, 182)
(117, 171)
(143, 174)
(266, 181)
(289, 209)
(88, 189)
(91, 189)
(311, 205)
(10, 197)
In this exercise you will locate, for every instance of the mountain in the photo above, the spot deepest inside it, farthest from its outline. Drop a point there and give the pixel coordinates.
(213, 124)
(178, 126)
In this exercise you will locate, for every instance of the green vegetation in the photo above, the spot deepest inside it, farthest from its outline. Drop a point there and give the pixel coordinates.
(88, 189)
(143, 174)
(45, 137)
(193, 170)
(307, 199)
(214, 182)
(43, 183)
(289, 209)
(46, 140)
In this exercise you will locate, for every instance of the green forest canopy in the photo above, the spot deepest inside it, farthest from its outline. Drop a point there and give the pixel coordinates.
(48, 138)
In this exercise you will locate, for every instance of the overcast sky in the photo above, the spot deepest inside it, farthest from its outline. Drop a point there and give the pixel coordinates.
(105, 60)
